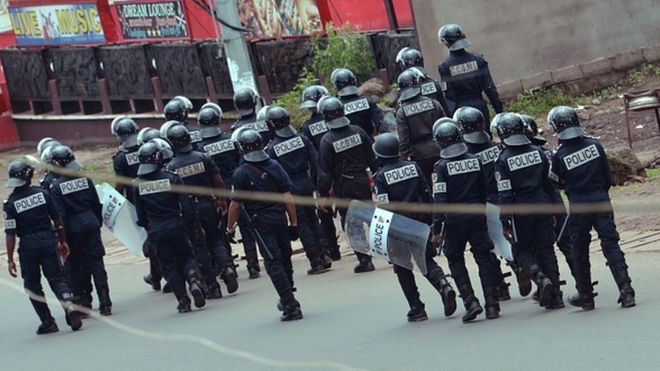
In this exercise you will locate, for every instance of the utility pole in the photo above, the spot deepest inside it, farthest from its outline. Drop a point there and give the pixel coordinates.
(391, 15)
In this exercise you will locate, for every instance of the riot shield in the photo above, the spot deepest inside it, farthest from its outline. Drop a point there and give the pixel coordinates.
(120, 218)
(389, 236)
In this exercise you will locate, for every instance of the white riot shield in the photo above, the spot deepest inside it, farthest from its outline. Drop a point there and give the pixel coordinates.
(389, 236)
(121, 219)
(502, 246)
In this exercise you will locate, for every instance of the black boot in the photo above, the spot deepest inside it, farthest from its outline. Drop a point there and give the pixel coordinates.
(253, 268)
(327, 261)
(557, 299)
(182, 297)
(155, 285)
(364, 265)
(213, 291)
(544, 286)
(503, 292)
(290, 308)
(47, 327)
(317, 267)
(447, 293)
(417, 313)
(523, 279)
(583, 300)
(626, 292)
(167, 289)
(73, 316)
(335, 254)
(196, 289)
(492, 305)
(105, 304)
(230, 277)
(471, 303)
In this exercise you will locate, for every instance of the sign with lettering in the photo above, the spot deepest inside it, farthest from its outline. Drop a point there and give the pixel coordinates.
(378, 232)
(57, 24)
(152, 20)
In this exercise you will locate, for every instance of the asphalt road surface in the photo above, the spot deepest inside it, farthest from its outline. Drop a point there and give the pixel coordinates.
(350, 321)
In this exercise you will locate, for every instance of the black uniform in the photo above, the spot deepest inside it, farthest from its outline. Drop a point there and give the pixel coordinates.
(269, 219)
(29, 212)
(462, 180)
(78, 204)
(299, 159)
(409, 185)
(582, 167)
(125, 163)
(363, 112)
(414, 123)
(466, 76)
(345, 154)
(48, 180)
(314, 129)
(196, 169)
(522, 175)
(165, 214)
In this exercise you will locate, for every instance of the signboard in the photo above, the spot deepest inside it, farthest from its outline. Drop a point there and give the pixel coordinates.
(152, 20)
(57, 24)
(277, 18)
(5, 22)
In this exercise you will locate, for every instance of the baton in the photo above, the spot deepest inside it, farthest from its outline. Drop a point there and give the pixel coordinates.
(255, 233)
(513, 230)
(563, 227)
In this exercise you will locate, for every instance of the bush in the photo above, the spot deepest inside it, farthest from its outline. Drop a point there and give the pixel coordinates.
(539, 103)
(291, 100)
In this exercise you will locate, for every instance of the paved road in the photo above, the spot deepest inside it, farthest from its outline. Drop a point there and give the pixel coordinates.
(352, 320)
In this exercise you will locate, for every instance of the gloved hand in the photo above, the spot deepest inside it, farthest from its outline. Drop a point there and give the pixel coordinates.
(293, 232)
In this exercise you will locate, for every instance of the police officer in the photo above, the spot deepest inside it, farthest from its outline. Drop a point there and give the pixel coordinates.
(582, 167)
(164, 214)
(44, 150)
(178, 109)
(458, 177)
(245, 101)
(259, 173)
(78, 204)
(465, 75)
(314, 129)
(559, 218)
(197, 169)
(125, 162)
(473, 125)
(30, 215)
(298, 157)
(411, 187)
(412, 58)
(521, 172)
(147, 134)
(345, 154)
(359, 110)
(414, 123)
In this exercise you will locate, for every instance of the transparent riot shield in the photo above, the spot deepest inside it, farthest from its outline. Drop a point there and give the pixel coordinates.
(120, 217)
(389, 236)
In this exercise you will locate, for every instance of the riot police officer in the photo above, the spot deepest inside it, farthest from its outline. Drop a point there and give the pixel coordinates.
(314, 129)
(298, 157)
(359, 110)
(414, 123)
(412, 58)
(44, 150)
(521, 172)
(465, 75)
(31, 215)
(582, 167)
(458, 177)
(125, 162)
(164, 214)
(78, 204)
(197, 169)
(345, 154)
(259, 173)
(178, 109)
(473, 125)
(245, 101)
(147, 134)
(411, 188)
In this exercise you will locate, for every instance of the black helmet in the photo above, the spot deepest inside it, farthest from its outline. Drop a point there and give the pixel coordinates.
(44, 143)
(278, 119)
(408, 82)
(448, 136)
(311, 96)
(147, 134)
(175, 110)
(20, 173)
(46, 154)
(209, 121)
(151, 158)
(63, 157)
(262, 115)
(453, 37)
(166, 126)
(126, 129)
(215, 106)
(245, 100)
(386, 145)
(113, 124)
(532, 130)
(332, 110)
(165, 148)
(473, 124)
(179, 136)
(251, 146)
(345, 82)
(565, 122)
(511, 129)
(186, 103)
(409, 57)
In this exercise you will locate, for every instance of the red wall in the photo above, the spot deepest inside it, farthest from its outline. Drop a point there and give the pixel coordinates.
(366, 15)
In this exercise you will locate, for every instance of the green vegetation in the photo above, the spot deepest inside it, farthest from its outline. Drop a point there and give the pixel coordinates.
(538, 103)
(291, 100)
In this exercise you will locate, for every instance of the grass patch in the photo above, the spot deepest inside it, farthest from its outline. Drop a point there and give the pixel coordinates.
(539, 102)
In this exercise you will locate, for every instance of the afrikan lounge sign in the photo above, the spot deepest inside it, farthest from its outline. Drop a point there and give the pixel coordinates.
(77, 23)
